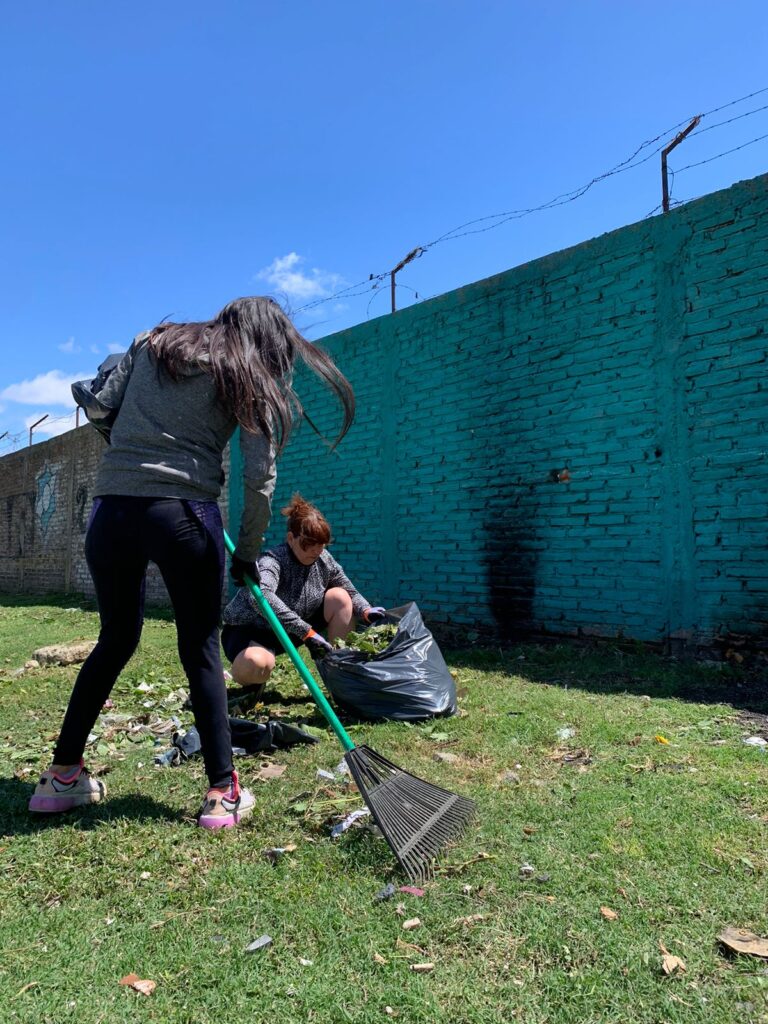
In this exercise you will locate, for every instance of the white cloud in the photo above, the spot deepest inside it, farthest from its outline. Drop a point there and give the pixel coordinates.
(95, 349)
(114, 346)
(287, 274)
(51, 388)
(70, 347)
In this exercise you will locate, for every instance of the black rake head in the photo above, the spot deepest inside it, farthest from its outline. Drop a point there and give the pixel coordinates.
(416, 818)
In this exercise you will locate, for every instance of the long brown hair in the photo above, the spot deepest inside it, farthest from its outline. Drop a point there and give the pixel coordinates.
(250, 349)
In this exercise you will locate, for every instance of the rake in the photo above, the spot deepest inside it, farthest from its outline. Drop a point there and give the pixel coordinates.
(416, 818)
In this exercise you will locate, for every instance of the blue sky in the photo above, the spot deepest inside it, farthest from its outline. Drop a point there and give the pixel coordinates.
(161, 159)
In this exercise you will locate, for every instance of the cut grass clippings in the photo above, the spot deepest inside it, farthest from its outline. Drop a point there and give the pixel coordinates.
(640, 853)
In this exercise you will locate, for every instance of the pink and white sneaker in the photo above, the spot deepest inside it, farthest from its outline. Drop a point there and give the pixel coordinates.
(56, 792)
(223, 808)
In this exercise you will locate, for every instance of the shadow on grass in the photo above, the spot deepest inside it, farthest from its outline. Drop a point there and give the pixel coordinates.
(18, 821)
(81, 601)
(611, 670)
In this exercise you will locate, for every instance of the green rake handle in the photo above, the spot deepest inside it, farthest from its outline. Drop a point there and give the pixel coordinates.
(306, 676)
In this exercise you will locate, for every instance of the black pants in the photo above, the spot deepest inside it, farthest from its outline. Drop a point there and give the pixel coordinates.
(185, 540)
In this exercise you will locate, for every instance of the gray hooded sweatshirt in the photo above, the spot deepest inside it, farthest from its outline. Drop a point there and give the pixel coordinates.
(169, 438)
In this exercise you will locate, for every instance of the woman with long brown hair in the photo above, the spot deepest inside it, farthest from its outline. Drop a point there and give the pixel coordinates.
(173, 403)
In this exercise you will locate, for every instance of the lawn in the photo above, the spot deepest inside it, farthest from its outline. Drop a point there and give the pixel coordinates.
(614, 775)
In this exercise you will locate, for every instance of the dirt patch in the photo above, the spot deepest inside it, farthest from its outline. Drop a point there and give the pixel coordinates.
(754, 722)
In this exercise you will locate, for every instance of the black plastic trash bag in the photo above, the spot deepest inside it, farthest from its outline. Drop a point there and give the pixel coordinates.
(408, 681)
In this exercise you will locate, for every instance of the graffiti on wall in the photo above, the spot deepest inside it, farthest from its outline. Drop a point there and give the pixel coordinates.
(20, 520)
(45, 498)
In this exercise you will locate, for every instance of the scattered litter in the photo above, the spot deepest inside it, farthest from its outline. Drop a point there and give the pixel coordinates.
(527, 871)
(400, 909)
(305, 963)
(566, 733)
(274, 853)
(411, 923)
(261, 943)
(470, 920)
(238, 751)
(608, 914)
(218, 938)
(389, 1011)
(323, 774)
(349, 821)
(270, 771)
(145, 875)
(542, 879)
(662, 739)
(511, 778)
(580, 757)
(143, 985)
(740, 940)
(413, 890)
(379, 959)
(671, 964)
(423, 968)
(386, 893)
(342, 768)
(756, 741)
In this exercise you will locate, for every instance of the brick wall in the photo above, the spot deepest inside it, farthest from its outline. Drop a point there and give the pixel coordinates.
(575, 446)
(46, 493)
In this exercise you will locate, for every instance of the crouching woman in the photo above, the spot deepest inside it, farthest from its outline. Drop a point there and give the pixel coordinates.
(307, 590)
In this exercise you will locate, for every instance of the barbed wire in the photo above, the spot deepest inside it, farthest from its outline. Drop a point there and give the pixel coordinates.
(727, 152)
(630, 163)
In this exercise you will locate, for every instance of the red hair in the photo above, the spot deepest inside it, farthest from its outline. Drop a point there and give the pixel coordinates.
(307, 523)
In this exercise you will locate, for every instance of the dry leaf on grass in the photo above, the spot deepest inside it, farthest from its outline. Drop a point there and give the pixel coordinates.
(270, 771)
(143, 985)
(402, 944)
(608, 914)
(26, 988)
(379, 959)
(670, 963)
(470, 919)
(740, 940)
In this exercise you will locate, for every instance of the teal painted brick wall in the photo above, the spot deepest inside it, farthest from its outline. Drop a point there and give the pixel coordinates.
(574, 446)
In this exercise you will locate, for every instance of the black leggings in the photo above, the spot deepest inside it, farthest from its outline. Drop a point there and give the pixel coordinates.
(185, 540)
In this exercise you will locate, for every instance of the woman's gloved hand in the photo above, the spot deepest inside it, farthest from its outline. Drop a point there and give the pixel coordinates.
(240, 568)
(317, 644)
(375, 615)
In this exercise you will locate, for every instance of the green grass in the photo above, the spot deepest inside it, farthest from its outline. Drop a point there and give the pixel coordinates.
(672, 837)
